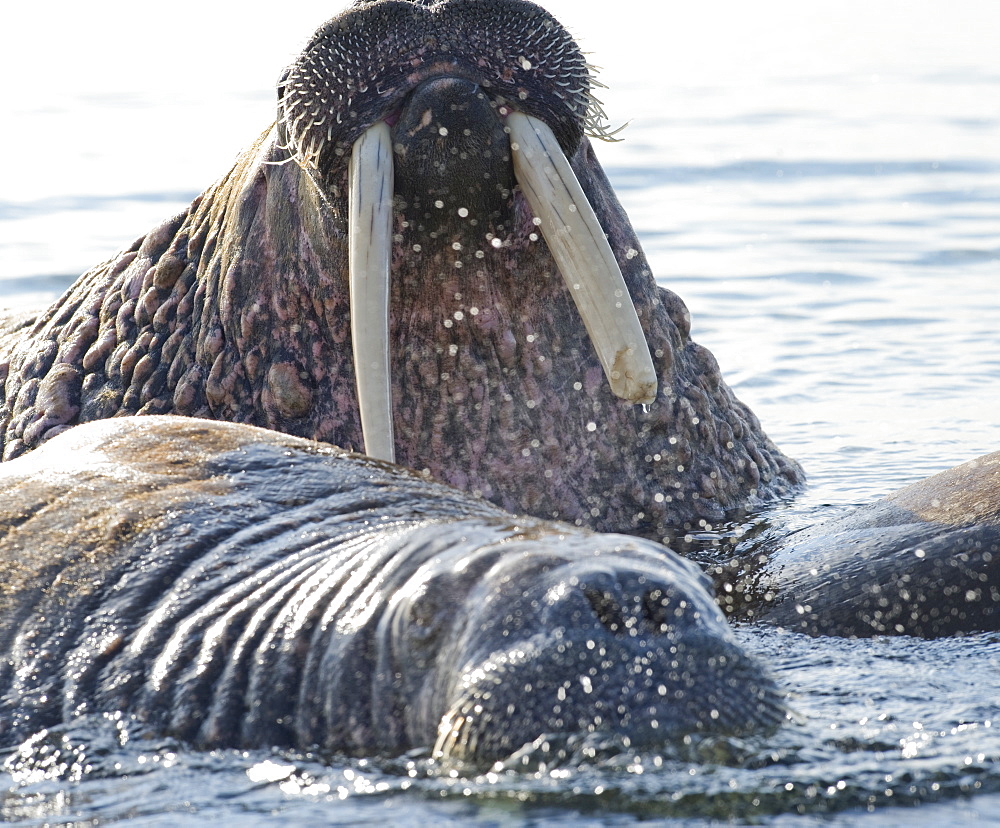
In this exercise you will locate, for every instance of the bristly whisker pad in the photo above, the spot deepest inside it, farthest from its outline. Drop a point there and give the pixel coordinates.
(512, 48)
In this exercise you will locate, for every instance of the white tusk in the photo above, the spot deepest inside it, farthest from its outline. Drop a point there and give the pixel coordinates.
(369, 251)
(581, 250)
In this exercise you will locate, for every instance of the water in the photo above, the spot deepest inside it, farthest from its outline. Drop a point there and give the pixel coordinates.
(820, 182)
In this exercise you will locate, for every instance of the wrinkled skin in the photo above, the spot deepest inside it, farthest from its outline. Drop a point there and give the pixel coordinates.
(238, 587)
(238, 309)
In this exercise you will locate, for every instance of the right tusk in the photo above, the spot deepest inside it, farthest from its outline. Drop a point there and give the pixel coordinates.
(370, 192)
(584, 257)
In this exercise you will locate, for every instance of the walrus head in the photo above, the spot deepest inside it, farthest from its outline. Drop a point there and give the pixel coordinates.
(495, 648)
(469, 102)
(401, 263)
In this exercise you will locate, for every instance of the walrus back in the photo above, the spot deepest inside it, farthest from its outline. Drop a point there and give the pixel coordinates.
(233, 586)
(112, 562)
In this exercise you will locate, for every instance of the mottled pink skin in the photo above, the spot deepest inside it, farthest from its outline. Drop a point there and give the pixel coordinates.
(511, 402)
(237, 310)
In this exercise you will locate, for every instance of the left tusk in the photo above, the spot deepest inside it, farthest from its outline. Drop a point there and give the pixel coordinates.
(370, 192)
(585, 259)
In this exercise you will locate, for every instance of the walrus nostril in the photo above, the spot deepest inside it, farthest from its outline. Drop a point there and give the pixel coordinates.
(448, 107)
(608, 611)
(661, 609)
(626, 612)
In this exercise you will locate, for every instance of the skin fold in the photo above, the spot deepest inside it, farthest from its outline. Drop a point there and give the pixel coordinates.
(240, 309)
(237, 587)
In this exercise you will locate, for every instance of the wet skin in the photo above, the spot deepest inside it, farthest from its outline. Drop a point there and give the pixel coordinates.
(233, 586)
(239, 308)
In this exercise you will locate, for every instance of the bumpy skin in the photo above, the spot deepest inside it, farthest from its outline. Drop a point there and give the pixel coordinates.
(237, 309)
(924, 561)
(235, 586)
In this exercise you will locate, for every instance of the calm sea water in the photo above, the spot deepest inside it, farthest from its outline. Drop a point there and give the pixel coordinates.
(820, 182)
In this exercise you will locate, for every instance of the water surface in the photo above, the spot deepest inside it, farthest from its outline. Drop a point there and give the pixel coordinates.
(821, 184)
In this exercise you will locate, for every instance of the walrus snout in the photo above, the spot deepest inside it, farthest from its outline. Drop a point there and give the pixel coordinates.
(445, 106)
(360, 66)
(452, 159)
(602, 642)
(336, 107)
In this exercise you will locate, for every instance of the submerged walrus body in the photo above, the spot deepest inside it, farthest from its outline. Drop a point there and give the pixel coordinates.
(237, 587)
(924, 561)
(531, 357)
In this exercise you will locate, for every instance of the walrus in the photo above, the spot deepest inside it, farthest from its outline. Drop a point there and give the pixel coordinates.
(233, 586)
(421, 258)
(924, 561)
